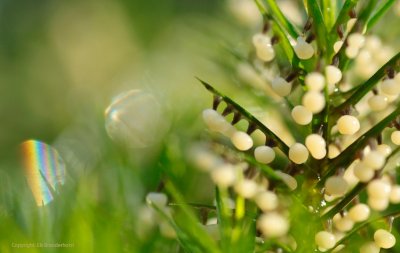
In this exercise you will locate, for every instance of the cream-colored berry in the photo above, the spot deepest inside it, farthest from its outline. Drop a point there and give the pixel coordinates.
(224, 175)
(242, 140)
(315, 81)
(333, 151)
(333, 74)
(395, 137)
(301, 115)
(379, 189)
(374, 160)
(264, 49)
(215, 121)
(378, 204)
(390, 87)
(352, 52)
(290, 181)
(348, 125)
(273, 225)
(370, 247)
(336, 185)
(157, 199)
(384, 149)
(264, 154)
(395, 194)
(337, 46)
(281, 87)
(303, 49)
(298, 153)
(325, 240)
(266, 200)
(314, 101)
(359, 212)
(316, 145)
(343, 224)
(363, 172)
(350, 24)
(378, 103)
(384, 239)
(246, 188)
(356, 40)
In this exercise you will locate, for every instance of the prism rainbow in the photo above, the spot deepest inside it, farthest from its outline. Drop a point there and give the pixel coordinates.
(44, 170)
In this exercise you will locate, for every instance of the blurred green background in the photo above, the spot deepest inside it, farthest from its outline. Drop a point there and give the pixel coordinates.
(61, 63)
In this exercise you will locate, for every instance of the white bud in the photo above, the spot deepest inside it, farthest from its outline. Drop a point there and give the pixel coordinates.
(363, 172)
(384, 239)
(301, 115)
(370, 247)
(374, 160)
(390, 87)
(316, 145)
(325, 240)
(378, 204)
(356, 40)
(266, 200)
(264, 154)
(373, 43)
(281, 87)
(242, 140)
(378, 102)
(352, 52)
(337, 46)
(298, 153)
(348, 125)
(384, 149)
(157, 199)
(314, 101)
(303, 49)
(290, 181)
(224, 175)
(350, 24)
(333, 74)
(260, 39)
(379, 189)
(273, 225)
(216, 122)
(336, 185)
(395, 137)
(395, 194)
(343, 224)
(246, 188)
(359, 212)
(333, 151)
(315, 81)
(266, 53)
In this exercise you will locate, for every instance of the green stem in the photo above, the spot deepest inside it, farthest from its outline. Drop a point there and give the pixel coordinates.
(379, 13)
(249, 117)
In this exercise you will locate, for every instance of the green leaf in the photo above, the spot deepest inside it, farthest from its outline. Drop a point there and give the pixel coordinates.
(343, 15)
(278, 16)
(314, 11)
(368, 85)
(379, 13)
(249, 117)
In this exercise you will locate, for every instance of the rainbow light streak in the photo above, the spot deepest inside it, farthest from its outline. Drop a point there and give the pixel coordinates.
(44, 170)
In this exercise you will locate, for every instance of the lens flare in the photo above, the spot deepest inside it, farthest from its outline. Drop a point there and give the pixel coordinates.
(44, 170)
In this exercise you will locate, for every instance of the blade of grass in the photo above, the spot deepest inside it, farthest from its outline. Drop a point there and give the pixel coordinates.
(368, 85)
(314, 11)
(280, 143)
(379, 13)
(328, 11)
(278, 16)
